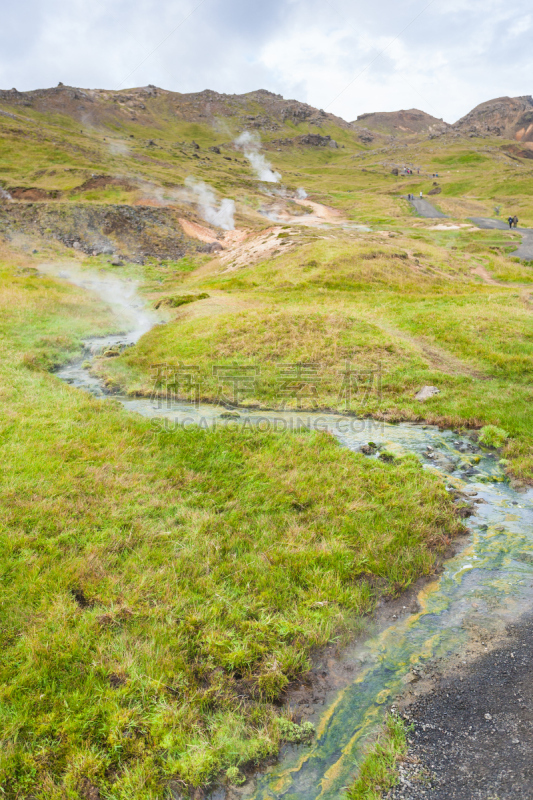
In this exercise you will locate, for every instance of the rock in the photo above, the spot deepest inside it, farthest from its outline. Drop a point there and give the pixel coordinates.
(215, 150)
(436, 190)
(76, 246)
(426, 392)
(209, 247)
(442, 461)
(117, 263)
(369, 449)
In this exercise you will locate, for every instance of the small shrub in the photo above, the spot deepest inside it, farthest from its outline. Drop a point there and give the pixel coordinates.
(235, 776)
(295, 734)
(491, 436)
(181, 300)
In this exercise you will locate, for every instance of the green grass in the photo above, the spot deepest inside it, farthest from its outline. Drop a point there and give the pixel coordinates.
(162, 589)
(379, 771)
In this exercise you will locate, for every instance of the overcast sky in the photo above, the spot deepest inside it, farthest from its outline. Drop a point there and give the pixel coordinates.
(347, 56)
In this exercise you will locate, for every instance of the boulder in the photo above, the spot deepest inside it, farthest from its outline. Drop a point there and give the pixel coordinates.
(426, 392)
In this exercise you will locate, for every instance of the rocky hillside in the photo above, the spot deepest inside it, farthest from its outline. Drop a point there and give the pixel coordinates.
(509, 117)
(401, 123)
(149, 105)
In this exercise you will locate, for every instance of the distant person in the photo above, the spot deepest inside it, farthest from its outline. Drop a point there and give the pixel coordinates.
(515, 221)
(510, 220)
(421, 195)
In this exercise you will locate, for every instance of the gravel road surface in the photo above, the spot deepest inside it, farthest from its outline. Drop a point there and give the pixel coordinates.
(425, 209)
(525, 250)
(473, 729)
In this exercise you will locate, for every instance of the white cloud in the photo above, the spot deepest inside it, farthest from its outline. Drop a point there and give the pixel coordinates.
(347, 55)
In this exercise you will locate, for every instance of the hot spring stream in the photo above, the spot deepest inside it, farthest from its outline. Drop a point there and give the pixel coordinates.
(489, 582)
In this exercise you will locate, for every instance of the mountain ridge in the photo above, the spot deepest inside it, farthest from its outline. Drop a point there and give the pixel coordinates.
(263, 110)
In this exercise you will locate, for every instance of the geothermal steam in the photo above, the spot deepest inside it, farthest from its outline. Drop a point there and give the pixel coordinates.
(222, 214)
(120, 295)
(251, 144)
(301, 194)
(4, 195)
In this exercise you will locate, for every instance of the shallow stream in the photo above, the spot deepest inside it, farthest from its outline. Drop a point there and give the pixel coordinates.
(487, 585)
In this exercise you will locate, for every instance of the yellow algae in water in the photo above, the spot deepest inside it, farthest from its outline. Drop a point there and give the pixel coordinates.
(396, 449)
(430, 646)
(425, 592)
(283, 783)
(464, 568)
(329, 713)
(372, 718)
(383, 696)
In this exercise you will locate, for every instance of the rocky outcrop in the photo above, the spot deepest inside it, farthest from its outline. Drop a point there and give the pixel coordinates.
(401, 123)
(315, 140)
(133, 232)
(508, 117)
(307, 139)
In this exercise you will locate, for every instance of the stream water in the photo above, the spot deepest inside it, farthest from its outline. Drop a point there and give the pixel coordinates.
(487, 585)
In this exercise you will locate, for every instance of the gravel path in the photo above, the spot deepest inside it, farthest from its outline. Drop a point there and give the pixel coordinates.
(525, 250)
(490, 224)
(425, 209)
(473, 735)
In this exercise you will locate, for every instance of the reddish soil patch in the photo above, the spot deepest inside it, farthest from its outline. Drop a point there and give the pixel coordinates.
(33, 194)
(103, 182)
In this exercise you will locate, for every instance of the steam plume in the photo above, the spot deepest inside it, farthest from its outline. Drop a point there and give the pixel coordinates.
(222, 214)
(120, 295)
(301, 194)
(251, 145)
(5, 195)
